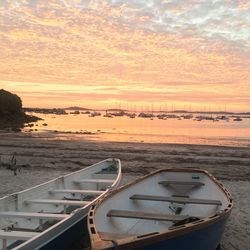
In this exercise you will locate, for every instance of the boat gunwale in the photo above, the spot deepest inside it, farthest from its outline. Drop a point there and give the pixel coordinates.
(76, 213)
(139, 241)
(64, 176)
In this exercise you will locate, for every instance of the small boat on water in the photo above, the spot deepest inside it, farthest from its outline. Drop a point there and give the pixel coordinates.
(52, 215)
(175, 209)
(238, 119)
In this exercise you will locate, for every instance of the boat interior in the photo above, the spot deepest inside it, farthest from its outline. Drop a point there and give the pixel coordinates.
(26, 214)
(160, 202)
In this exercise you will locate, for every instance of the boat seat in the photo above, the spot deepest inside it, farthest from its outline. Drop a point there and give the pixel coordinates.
(184, 183)
(117, 236)
(182, 200)
(76, 191)
(33, 215)
(95, 181)
(145, 215)
(17, 235)
(57, 202)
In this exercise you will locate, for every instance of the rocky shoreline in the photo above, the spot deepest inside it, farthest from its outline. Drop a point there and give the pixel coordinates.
(16, 122)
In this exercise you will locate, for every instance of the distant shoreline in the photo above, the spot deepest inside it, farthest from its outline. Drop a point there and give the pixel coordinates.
(55, 110)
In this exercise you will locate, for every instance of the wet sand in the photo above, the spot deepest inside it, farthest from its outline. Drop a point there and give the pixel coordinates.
(42, 158)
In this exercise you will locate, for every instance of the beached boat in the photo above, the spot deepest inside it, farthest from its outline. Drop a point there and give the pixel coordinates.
(175, 209)
(52, 215)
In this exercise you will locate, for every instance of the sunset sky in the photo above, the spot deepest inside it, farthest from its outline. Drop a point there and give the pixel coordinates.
(192, 54)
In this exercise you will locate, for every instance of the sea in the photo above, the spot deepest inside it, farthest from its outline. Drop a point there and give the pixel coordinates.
(200, 129)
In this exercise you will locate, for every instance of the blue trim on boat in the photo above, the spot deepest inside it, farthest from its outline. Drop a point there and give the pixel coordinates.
(75, 237)
(207, 238)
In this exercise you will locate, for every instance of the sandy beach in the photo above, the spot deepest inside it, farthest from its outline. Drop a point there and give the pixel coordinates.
(42, 158)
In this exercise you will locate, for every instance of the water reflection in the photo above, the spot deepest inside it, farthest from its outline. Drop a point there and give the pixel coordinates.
(179, 129)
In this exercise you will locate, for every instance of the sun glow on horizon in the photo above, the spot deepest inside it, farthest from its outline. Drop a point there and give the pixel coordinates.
(93, 97)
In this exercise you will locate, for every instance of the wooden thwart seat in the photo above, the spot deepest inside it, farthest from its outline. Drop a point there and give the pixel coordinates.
(183, 200)
(34, 215)
(17, 235)
(117, 236)
(58, 202)
(95, 181)
(185, 183)
(145, 215)
(76, 191)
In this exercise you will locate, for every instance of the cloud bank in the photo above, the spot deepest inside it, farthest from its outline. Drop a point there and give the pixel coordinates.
(179, 51)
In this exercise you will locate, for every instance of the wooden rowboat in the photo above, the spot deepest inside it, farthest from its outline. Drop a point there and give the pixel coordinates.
(52, 215)
(175, 209)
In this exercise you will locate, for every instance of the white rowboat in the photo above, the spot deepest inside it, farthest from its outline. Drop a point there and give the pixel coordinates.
(51, 215)
(170, 209)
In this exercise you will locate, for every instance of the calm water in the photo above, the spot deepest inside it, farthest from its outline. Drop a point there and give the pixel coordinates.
(230, 133)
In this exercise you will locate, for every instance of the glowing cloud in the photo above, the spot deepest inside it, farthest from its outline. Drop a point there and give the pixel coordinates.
(96, 52)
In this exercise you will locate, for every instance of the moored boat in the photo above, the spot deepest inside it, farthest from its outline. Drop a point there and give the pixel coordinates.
(52, 215)
(169, 209)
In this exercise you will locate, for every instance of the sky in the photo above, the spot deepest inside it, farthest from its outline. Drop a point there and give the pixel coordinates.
(137, 54)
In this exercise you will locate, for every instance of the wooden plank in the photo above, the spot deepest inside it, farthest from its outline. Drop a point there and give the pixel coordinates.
(58, 202)
(95, 181)
(183, 200)
(145, 215)
(185, 183)
(17, 235)
(78, 191)
(116, 236)
(33, 215)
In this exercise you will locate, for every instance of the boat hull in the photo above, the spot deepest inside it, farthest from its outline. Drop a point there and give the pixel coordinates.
(207, 238)
(74, 237)
(62, 236)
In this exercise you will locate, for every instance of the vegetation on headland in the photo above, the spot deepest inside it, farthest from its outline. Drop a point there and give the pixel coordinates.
(12, 116)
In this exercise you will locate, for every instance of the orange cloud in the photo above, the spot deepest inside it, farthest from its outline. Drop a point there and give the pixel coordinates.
(122, 51)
